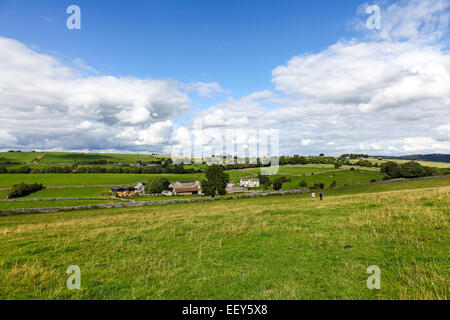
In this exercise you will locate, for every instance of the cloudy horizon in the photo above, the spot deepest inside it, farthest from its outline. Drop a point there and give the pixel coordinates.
(380, 92)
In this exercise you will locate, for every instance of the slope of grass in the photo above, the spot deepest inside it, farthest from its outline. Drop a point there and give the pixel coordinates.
(71, 179)
(71, 193)
(68, 157)
(3, 194)
(342, 178)
(423, 163)
(49, 204)
(19, 157)
(278, 247)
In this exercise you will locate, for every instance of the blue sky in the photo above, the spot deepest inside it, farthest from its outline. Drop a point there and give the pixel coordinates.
(140, 76)
(235, 43)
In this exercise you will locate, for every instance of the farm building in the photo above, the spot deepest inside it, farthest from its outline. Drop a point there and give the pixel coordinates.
(249, 183)
(230, 187)
(140, 187)
(185, 187)
(125, 191)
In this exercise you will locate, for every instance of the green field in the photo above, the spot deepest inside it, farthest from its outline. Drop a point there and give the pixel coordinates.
(3, 194)
(71, 193)
(18, 157)
(423, 163)
(276, 247)
(49, 204)
(342, 178)
(87, 179)
(64, 157)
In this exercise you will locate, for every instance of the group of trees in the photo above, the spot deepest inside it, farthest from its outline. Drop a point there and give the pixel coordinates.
(157, 185)
(216, 181)
(23, 189)
(296, 159)
(409, 170)
(354, 156)
(277, 184)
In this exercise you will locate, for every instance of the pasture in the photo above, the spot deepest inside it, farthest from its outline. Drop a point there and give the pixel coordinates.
(86, 179)
(65, 157)
(342, 178)
(276, 247)
(423, 163)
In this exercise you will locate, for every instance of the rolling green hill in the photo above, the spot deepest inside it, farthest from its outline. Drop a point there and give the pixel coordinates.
(276, 247)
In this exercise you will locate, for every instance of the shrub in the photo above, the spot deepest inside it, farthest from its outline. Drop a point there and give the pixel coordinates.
(157, 185)
(22, 190)
(263, 180)
(3, 170)
(373, 180)
(333, 184)
(277, 184)
(412, 169)
(319, 185)
(391, 168)
(303, 183)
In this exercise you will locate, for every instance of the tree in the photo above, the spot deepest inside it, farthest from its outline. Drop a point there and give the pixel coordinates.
(412, 169)
(264, 181)
(23, 189)
(157, 185)
(277, 184)
(216, 181)
(392, 169)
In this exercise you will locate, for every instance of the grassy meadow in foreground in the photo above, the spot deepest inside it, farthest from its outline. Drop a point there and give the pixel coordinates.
(277, 247)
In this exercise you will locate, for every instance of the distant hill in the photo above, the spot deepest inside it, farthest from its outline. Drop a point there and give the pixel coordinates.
(422, 157)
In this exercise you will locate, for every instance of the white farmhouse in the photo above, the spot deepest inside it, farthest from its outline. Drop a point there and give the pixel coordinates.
(249, 183)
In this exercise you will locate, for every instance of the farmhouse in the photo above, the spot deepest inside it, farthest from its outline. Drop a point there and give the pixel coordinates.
(249, 183)
(125, 191)
(140, 187)
(185, 187)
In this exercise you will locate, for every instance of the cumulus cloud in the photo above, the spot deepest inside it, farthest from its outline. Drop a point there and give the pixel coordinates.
(204, 89)
(372, 75)
(417, 20)
(386, 92)
(39, 89)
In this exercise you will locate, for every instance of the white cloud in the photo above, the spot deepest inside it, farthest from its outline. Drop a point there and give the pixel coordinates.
(156, 134)
(44, 103)
(204, 89)
(371, 75)
(387, 92)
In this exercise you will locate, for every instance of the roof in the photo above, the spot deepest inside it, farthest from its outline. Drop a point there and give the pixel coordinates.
(192, 189)
(124, 188)
(185, 184)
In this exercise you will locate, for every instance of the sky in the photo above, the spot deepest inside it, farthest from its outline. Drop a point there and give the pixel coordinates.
(143, 76)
